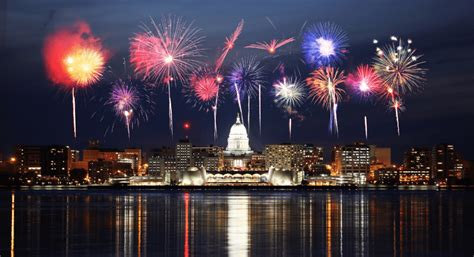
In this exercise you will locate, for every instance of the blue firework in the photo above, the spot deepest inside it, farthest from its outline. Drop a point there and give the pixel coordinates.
(324, 44)
(246, 74)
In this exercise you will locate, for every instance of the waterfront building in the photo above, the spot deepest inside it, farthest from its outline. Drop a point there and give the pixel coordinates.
(50, 160)
(352, 160)
(284, 156)
(183, 158)
(313, 160)
(446, 163)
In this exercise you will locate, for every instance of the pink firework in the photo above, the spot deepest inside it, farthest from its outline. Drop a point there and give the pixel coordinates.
(166, 53)
(271, 46)
(365, 81)
(170, 49)
(229, 44)
(205, 87)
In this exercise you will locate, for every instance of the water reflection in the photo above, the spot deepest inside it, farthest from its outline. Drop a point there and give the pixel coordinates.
(236, 223)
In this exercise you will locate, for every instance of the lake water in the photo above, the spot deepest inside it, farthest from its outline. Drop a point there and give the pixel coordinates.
(236, 223)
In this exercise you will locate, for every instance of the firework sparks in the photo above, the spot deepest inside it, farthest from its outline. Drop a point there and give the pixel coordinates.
(271, 46)
(365, 81)
(202, 91)
(166, 53)
(289, 93)
(126, 101)
(229, 44)
(246, 76)
(324, 84)
(324, 44)
(399, 66)
(74, 58)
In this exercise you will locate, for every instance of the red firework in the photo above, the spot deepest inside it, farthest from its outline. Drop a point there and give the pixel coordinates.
(205, 87)
(229, 44)
(365, 81)
(69, 44)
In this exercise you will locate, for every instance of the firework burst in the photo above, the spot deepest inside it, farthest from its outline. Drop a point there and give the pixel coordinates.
(289, 94)
(166, 53)
(170, 48)
(325, 89)
(229, 44)
(401, 71)
(127, 102)
(246, 76)
(365, 81)
(271, 46)
(74, 58)
(399, 66)
(202, 89)
(324, 44)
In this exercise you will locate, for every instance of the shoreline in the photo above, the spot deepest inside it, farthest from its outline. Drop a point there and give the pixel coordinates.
(243, 187)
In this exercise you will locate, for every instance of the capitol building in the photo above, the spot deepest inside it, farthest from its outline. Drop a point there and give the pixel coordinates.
(234, 164)
(237, 153)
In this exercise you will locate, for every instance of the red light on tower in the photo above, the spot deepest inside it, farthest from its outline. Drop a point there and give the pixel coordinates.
(187, 125)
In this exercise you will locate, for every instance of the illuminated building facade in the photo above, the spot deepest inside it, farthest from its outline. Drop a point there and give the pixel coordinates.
(183, 158)
(446, 163)
(51, 160)
(284, 156)
(352, 160)
(313, 158)
(238, 153)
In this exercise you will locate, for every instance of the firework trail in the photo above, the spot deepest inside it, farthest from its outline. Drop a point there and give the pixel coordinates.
(365, 82)
(74, 58)
(399, 68)
(167, 53)
(246, 75)
(260, 109)
(271, 46)
(229, 44)
(289, 94)
(365, 127)
(203, 90)
(238, 100)
(324, 84)
(324, 44)
(125, 100)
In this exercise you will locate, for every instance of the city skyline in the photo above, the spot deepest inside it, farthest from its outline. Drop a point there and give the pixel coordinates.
(440, 114)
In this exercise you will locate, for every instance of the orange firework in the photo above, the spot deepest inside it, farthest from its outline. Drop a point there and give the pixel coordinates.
(84, 66)
(74, 58)
(272, 46)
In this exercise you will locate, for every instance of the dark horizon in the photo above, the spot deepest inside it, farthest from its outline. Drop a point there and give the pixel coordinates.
(34, 111)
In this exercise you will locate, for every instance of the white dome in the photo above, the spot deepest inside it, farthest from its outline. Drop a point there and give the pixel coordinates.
(238, 141)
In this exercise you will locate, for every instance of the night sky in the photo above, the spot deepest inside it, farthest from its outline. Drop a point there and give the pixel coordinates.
(34, 111)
